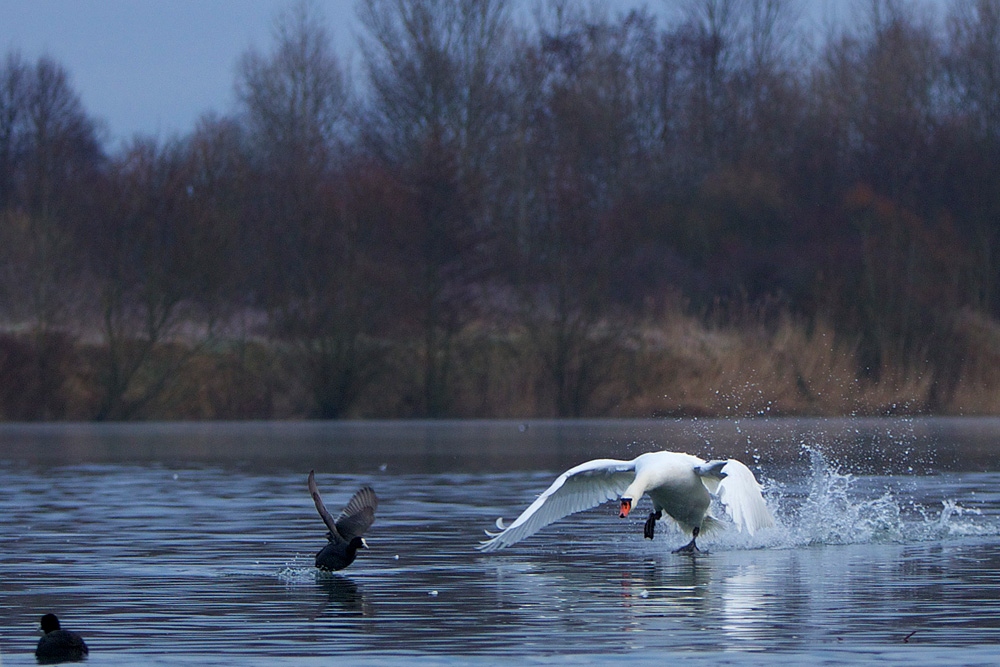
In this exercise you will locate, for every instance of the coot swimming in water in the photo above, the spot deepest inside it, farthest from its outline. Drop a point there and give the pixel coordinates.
(347, 529)
(58, 645)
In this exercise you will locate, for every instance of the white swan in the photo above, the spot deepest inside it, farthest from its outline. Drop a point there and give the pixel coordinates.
(678, 484)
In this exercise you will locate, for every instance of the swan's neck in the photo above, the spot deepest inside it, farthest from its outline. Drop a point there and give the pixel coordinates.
(636, 488)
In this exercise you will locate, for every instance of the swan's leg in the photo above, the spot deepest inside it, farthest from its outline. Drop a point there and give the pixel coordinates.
(690, 547)
(647, 530)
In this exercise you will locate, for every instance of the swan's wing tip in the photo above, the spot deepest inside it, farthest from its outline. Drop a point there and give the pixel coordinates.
(492, 544)
(500, 528)
(581, 487)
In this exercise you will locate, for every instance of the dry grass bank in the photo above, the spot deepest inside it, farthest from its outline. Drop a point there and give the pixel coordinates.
(674, 365)
(786, 369)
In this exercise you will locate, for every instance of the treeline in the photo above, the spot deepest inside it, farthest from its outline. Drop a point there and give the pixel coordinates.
(497, 212)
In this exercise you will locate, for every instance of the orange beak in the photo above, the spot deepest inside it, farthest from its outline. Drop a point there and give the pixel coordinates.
(626, 508)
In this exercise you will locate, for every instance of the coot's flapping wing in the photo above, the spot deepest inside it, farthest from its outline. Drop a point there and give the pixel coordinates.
(359, 514)
(321, 508)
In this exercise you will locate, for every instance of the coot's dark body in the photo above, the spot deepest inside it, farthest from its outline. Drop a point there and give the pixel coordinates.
(58, 645)
(346, 531)
(337, 555)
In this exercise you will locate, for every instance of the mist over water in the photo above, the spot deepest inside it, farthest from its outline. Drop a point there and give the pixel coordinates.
(185, 544)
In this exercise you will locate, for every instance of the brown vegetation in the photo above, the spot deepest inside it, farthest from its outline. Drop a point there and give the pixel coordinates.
(673, 366)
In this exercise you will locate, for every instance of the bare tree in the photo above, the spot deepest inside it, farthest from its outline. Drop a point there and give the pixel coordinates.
(294, 98)
(585, 142)
(14, 84)
(49, 160)
(295, 104)
(150, 260)
(972, 65)
(436, 69)
(880, 88)
(734, 71)
(51, 152)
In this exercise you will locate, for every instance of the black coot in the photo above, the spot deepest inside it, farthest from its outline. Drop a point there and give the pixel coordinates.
(58, 645)
(347, 529)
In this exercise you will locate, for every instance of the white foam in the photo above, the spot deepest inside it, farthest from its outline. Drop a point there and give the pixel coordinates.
(826, 506)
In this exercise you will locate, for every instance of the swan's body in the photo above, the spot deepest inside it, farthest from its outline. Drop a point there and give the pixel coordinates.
(681, 485)
(345, 534)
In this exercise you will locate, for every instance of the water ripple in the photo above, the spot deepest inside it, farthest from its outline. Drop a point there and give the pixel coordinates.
(211, 564)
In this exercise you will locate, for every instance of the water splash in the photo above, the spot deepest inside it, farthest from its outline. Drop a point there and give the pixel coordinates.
(827, 506)
(297, 571)
(953, 520)
(831, 513)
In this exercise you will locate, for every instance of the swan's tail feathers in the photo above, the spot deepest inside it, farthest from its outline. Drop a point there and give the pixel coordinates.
(711, 525)
(740, 493)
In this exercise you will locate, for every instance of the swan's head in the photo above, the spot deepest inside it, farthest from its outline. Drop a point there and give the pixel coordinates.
(626, 508)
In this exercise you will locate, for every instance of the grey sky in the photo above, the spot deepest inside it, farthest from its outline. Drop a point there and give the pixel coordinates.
(149, 66)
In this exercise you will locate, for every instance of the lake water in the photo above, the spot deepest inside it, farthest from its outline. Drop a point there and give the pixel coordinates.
(193, 544)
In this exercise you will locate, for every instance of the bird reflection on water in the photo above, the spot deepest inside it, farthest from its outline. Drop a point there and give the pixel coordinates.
(342, 595)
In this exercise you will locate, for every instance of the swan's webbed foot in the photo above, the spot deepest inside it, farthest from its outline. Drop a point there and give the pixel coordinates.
(650, 526)
(690, 547)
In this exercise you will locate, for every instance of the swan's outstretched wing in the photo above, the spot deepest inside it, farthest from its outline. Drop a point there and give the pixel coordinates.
(740, 493)
(587, 485)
